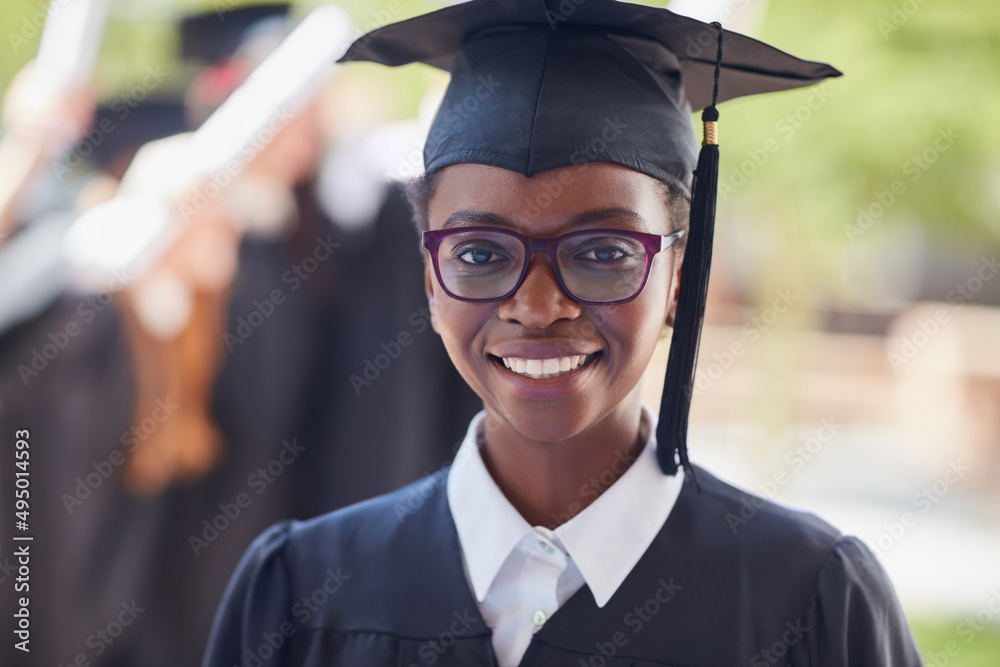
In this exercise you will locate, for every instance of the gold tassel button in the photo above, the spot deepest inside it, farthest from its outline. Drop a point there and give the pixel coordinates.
(711, 133)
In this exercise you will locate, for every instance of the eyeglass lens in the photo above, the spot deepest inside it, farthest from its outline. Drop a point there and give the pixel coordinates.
(594, 267)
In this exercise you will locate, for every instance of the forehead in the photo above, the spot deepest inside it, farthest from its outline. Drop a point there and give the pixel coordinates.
(547, 202)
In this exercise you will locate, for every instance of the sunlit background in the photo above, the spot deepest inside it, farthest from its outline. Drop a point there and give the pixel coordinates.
(850, 362)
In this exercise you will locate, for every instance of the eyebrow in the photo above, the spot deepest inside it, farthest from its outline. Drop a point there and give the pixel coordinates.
(473, 217)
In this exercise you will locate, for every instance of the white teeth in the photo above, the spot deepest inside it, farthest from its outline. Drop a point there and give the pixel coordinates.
(544, 367)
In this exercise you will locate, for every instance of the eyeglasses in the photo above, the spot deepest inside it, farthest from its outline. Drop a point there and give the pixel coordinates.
(595, 266)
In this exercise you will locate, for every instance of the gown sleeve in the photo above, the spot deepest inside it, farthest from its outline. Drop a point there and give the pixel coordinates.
(252, 621)
(855, 618)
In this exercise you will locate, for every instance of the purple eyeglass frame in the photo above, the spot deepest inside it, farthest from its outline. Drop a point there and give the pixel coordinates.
(653, 243)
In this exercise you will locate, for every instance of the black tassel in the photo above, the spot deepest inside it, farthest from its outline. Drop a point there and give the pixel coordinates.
(675, 405)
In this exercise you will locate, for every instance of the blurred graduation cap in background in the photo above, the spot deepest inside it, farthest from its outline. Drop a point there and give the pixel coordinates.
(231, 44)
(135, 228)
(539, 81)
(214, 35)
(245, 34)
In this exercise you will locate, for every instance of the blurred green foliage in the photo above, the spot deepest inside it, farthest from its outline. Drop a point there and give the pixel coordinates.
(916, 72)
(913, 68)
(954, 643)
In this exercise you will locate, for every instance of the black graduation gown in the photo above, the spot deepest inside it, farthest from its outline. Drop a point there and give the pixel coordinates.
(289, 380)
(730, 579)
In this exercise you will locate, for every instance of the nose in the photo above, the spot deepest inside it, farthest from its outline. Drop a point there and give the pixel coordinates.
(540, 300)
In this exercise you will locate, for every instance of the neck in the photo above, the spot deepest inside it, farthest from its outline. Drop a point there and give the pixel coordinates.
(549, 483)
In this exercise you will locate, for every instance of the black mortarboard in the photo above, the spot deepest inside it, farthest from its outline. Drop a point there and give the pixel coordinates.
(543, 84)
(217, 34)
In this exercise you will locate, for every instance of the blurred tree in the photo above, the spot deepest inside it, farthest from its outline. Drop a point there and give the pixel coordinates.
(901, 147)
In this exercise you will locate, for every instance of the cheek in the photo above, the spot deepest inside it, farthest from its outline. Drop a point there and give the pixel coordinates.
(639, 323)
(460, 326)
(656, 295)
(638, 331)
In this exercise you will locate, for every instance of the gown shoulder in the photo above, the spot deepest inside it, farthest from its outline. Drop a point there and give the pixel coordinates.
(809, 594)
(342, 586)
(854, 616)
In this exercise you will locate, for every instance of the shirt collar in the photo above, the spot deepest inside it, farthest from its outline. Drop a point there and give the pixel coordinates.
(605, 540)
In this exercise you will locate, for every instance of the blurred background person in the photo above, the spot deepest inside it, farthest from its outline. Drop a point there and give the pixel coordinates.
(178, 407)
(39, 123)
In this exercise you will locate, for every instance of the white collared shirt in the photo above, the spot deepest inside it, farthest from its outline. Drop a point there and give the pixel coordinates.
(522, 574)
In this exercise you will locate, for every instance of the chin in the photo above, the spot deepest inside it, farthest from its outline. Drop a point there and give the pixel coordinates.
(548, 432)
(546, 421)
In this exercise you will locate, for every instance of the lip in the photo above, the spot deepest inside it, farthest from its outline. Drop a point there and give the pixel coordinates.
(559, 386)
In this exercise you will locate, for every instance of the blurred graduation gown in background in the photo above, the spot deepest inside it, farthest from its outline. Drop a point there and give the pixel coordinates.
(284, 393)
(289, 382)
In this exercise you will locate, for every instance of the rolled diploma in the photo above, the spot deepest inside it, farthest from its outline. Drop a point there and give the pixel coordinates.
(70, 40)
(117, 235)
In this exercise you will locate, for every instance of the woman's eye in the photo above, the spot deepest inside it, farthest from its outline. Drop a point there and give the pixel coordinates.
(478, 256)
(603, 254)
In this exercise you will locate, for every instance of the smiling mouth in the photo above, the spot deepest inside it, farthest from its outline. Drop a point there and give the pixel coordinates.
(545, 369)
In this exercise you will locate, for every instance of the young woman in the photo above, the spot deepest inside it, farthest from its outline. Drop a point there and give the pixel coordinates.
(571, 529)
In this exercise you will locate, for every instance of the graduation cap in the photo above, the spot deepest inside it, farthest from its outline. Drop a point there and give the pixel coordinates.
(536, 81)
(214, 35)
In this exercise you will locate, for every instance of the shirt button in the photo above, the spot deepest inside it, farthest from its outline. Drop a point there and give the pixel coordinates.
(546, 547)
(539, 617)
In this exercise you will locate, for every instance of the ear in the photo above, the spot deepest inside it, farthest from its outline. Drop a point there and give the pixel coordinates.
(674, 293)
(430, 285)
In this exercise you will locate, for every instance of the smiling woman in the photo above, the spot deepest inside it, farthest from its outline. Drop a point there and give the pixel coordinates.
(539, 320)
(571, 528)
